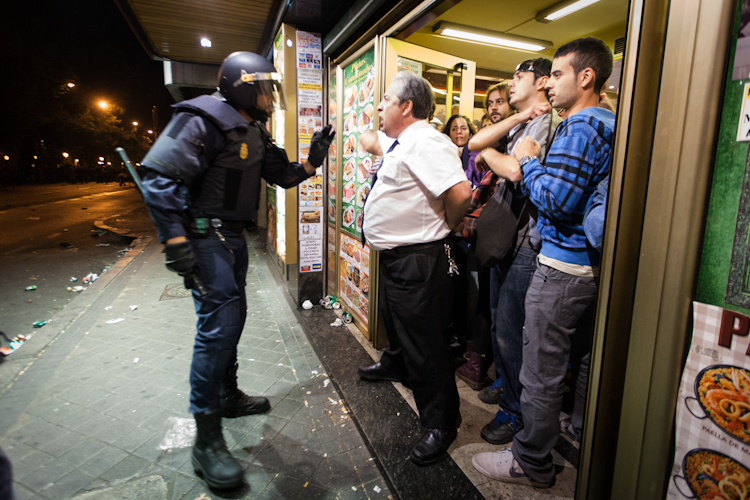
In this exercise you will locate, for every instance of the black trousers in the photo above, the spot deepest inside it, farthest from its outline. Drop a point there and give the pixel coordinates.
(416, 296)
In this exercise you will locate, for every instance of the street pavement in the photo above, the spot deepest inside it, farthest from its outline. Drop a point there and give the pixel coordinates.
(101, 412)
(47, 239)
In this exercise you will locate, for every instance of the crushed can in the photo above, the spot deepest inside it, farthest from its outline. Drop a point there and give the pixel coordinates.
(40, 324)
(336, 305)
(31, 288)
(346, 317)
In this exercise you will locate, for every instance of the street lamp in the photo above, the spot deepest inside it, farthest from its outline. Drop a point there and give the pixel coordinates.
(65, 155)
(71, 85)
(6, 157)
(150, 131)
(135, 124)
(103, 104)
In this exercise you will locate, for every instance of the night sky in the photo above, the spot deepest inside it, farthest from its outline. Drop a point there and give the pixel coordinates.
(86, 40)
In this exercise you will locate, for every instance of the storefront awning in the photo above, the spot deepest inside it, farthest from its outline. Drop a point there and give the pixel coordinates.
(173, 29)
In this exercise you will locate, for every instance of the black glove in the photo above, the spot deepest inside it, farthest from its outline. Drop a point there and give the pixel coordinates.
(319, 145)
(180, 258)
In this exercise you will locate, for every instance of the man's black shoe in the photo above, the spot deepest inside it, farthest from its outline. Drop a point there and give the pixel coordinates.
(376, 373)
(490, 394)
(433, 446)
(239, 404)
(503, 434)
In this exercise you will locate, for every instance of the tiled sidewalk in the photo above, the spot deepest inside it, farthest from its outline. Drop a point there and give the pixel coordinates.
(94, 413)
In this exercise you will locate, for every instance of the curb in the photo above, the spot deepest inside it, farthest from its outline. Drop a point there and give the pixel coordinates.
(100, 224)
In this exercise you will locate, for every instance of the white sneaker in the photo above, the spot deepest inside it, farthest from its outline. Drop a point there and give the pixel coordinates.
(502, 466)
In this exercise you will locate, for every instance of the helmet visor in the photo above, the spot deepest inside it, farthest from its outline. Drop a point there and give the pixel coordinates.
(270, 91)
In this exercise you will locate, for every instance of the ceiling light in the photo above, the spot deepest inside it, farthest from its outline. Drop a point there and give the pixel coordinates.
(562, 9)
(486, 37)
(205, 42)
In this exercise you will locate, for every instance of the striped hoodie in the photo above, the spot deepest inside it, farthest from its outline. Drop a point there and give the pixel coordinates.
(562, 188)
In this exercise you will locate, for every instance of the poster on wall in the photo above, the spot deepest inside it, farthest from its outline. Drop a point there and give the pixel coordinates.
(358, 109)
(741, 68)
(743, 131)
(309, 90)
(333, 150)
(332, 260)
(354, 276)
(309, 120)
(712, 432)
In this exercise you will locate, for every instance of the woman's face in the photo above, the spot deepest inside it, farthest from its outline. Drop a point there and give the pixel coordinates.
(460, 132)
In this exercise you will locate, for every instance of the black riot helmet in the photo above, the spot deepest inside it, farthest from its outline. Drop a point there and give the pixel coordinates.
(250, 82)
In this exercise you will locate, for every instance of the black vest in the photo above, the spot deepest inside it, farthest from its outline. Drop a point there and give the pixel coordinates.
(230, 188)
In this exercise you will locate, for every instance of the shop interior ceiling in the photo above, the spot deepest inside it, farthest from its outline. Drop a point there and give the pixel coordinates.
(172, 29)
(605, 19)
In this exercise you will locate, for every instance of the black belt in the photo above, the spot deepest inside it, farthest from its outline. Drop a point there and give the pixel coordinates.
(415, 247)
(235, 226)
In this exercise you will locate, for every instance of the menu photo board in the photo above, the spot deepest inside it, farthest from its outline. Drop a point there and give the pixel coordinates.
(332, 259)
(358, 110)
(354, 276)
(712, 427)
(332, 151)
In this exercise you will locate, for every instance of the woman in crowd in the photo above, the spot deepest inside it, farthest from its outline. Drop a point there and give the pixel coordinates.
(460, 129)
(472, 291)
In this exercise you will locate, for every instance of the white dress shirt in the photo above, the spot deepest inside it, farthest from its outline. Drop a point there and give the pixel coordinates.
(404, 206)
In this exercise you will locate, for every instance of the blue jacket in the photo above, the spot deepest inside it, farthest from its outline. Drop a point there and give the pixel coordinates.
(562, 189)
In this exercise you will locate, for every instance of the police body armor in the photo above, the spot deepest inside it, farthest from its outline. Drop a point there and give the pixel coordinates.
(221, 169)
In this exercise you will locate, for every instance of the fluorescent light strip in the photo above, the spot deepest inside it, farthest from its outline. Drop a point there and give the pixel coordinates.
(492, 40)
(443, 92)
(580, 4)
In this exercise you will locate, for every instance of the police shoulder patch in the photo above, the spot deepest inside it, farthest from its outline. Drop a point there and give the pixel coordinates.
(243, 151)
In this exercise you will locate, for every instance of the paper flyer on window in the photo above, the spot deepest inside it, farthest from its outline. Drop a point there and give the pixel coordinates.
(712, 431)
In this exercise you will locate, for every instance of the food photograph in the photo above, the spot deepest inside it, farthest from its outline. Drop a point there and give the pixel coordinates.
(712, 475)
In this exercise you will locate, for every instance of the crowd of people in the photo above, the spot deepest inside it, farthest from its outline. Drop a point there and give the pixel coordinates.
(536, 174)
(514, 211)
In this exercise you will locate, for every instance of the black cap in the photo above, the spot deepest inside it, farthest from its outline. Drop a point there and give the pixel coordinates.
(540, 67)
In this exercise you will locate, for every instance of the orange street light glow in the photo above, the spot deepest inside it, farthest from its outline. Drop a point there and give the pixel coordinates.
(135, 124)
(103, 104)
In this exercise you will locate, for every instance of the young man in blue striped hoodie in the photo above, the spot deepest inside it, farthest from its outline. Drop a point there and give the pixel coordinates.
(561, 300)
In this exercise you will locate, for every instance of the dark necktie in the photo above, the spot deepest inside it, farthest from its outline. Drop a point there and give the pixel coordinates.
(372, 185)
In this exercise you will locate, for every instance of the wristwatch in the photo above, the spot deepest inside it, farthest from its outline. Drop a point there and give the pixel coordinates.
(526, 159)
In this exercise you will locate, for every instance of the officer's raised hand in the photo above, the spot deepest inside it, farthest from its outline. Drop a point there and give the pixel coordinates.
(319, 145)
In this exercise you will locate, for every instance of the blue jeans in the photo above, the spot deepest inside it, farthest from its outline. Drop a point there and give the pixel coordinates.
(560, 313)
(221, 315)
(509, 281)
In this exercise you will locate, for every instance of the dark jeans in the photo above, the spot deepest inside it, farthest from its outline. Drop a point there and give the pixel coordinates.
(509, 281)
(416, 293)
(221, 314)
(560, 311)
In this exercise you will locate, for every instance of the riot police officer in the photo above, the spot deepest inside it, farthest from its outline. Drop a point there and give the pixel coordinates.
(202, 186)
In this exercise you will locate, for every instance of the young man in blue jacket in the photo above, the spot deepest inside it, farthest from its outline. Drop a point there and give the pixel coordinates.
(561, 299)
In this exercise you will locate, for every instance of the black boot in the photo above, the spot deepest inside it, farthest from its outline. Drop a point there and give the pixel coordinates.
(211, 458)
(234, 402)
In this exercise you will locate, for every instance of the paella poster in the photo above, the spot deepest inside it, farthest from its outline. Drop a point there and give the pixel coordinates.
(354, 276)
(712, 435)
(358, 111)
